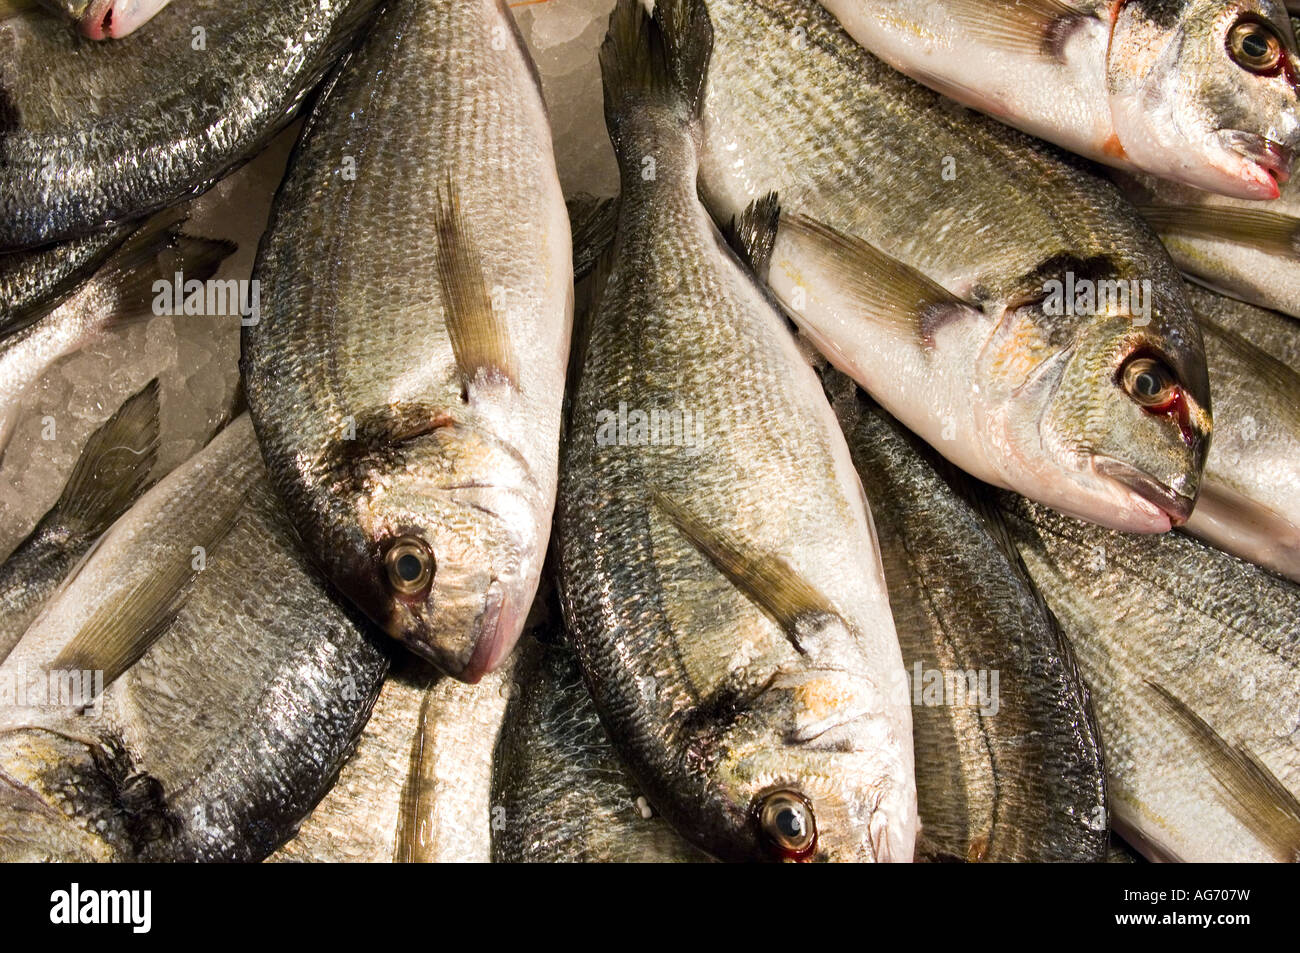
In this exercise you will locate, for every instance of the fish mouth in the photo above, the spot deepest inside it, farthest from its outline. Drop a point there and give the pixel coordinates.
(1174, 506)
(492, 642)
(1268, 163)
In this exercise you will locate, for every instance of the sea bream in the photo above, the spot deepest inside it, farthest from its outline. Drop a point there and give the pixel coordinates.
(1250, 499)
(194, 688)
(113, 469)
(407, 376)
(1193, 660)
(1249, 250)
(557, 781)
(735, 634)
(995, 296)
(1009, 762)
(1204, 92)
(417, 788)
(93, 135)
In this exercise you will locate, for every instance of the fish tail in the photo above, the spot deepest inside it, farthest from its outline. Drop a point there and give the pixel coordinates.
(114, 466)
(157, 252)
(654, 62)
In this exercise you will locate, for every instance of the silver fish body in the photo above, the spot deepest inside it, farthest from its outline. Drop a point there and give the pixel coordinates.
(1193, 660)
(32, 282)
(94, 135)
(996, 297)
(1248, 250)
(1200, 91)
(736, 638)
(1009, 762)
(407, 397)
(563, 793)
(417, 788)
(250, 689)
(1250, 499)
(113, 469)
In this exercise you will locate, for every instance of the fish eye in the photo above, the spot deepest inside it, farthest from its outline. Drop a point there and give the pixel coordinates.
(1254, 46)
(787, 821)
(1149, 382)
(409, 565)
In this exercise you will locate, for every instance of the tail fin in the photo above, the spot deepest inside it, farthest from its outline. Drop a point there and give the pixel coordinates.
(156, 252)
(114, 467)
(655, 60)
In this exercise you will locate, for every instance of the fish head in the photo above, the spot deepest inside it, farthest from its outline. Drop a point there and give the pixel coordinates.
(814, 769)
(1207, 92)
(446, 545)
(1104, 417)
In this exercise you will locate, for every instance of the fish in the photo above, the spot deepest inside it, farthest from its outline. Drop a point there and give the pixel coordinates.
(113, 470)
(1243, 249)
(33, 282)
(120, 292)
(1250, 498)
(221, 685)
(408, 396)
(735, 636)
(563, 794)
(1009, 763)
(1193, 660)
(106, 19)
(995, 296)
(1203, 92)
(417, 788)
(94, 135)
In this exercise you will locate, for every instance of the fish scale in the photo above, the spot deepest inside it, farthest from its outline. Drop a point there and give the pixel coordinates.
(669, 551)
(407, 375)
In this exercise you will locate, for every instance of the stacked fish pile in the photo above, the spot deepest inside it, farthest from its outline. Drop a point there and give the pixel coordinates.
(904, 499)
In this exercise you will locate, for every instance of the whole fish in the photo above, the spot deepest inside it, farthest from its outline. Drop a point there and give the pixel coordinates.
(1250, 498)
(111, 472)
(1193, 659)
(736, 637)
(120, 291)
(407, 396)
(107, 19)
(999, 300)
(1205, 92)
(563, 794)
(32, 282)
(251, 685)
(1249, 250)
(1008, 757)
(93, 135)
(417, 788)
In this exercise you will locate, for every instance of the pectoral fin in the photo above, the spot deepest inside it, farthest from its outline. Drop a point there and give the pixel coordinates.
(767, 580)
(480, 338)
(1251, 792)
(1269, 232)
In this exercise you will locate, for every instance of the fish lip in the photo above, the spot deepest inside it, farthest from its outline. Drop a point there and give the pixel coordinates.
(490, 644)
(1176, 506)
(1273, 158)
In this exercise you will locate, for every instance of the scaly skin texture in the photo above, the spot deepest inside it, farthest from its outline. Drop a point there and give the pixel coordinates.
(1019, 780)
(93, 134)
(1144, 84)
(1004, 389)
(37, 279)
(1262, 276)
(1221, 635)
(710, 704)
(228, 730)
(1250, 504)
(563, 793)
(417, 788)
(369, 428)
